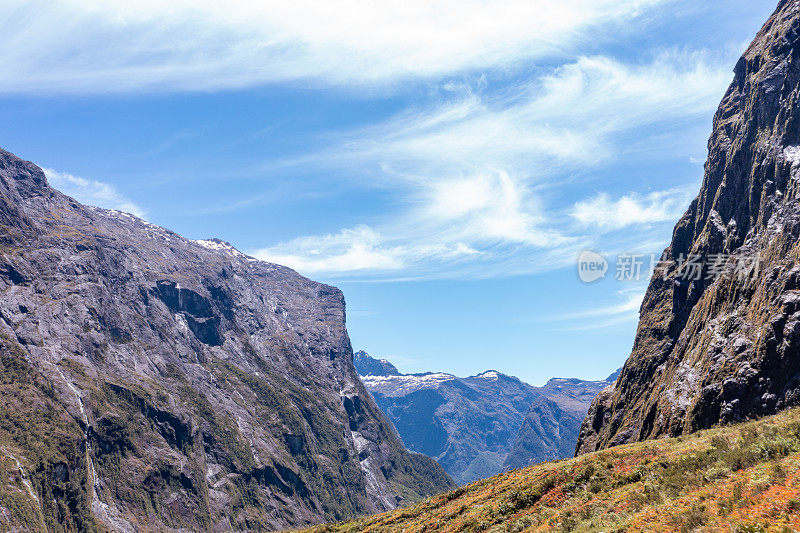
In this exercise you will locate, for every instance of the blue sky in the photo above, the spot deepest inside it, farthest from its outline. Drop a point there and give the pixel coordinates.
(442, 163)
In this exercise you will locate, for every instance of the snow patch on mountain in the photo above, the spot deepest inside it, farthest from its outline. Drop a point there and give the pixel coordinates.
(405, 384)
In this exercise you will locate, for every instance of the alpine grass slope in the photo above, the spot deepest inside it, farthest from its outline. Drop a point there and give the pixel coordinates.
(733, 479)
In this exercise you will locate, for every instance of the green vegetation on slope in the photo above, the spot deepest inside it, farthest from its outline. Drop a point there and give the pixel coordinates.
(743, 478)
(43, 483)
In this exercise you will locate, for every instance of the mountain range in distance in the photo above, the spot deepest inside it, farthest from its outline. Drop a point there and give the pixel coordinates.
(478, 426)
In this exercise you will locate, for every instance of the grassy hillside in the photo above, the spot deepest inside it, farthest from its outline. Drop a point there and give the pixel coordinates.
(743, 478)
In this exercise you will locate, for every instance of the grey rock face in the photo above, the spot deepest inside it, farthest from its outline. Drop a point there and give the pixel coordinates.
(479, 426)
(720, 349)
(188, 385)
(367, 366)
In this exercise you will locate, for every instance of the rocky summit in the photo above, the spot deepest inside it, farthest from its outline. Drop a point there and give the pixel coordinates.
(151, 382)
(719, 336)
(368, 366)
(481, 425)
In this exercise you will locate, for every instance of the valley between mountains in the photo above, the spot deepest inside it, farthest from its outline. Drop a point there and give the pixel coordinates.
(671, 445)
(151, 382)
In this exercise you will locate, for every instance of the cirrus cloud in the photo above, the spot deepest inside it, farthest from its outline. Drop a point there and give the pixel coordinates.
(72, 46)
(92, 192)
(633, 209)
(472, 169)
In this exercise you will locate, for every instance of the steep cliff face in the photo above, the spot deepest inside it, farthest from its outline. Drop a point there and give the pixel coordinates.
(725, 345)
(153, 382)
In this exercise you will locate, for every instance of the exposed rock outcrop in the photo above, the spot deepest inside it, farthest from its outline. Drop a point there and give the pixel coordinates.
(369, 366)
(724, 345)
(153, 382)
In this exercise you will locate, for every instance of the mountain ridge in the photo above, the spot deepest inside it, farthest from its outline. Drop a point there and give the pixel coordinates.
(176, 384)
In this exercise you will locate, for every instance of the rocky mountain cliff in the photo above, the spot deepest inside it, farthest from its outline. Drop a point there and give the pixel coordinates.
(721, 342)
(150, 382)
(481, 425)
(368, 366)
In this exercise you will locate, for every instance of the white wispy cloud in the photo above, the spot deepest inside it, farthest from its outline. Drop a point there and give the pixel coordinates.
(359, 249)
(355, 249)
(92, 192)
(472, 169)
(456, 227)
(571, 116)
(631, 302)
(624, 311)
(57, 46)
(606, 213)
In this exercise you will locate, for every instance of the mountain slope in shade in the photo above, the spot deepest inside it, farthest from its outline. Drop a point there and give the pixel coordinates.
(550, 429)
(150, 382)
(478, 426)
(718, 349)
